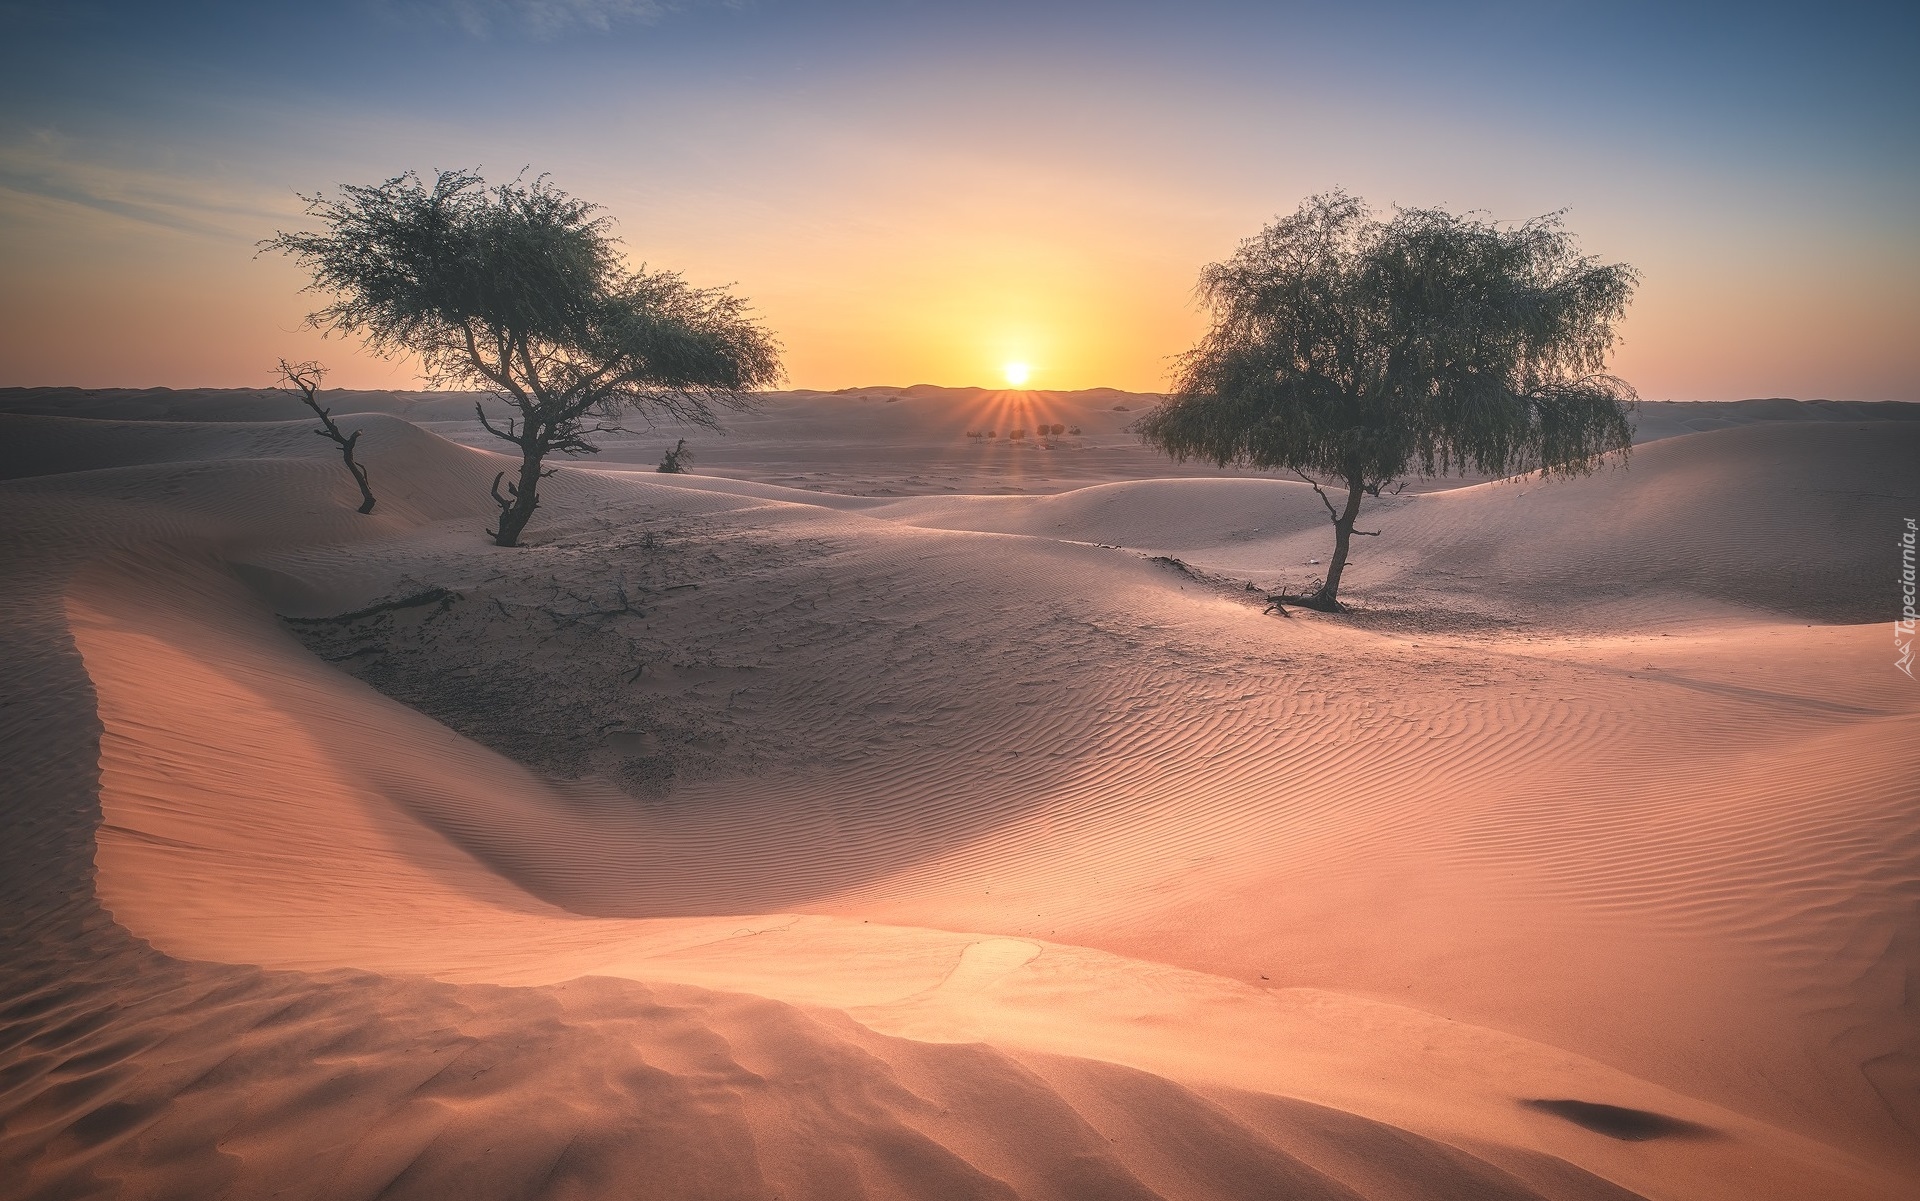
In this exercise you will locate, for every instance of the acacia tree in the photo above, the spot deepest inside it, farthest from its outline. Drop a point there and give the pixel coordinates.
(303, 380)
(518, 290)
(1354, 351)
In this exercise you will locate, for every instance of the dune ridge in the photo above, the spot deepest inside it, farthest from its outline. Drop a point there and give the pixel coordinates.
(1072, 873)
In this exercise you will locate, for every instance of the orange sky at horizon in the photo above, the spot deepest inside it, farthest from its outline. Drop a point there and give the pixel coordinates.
(924, 199)
(953, 310)
(948, 304)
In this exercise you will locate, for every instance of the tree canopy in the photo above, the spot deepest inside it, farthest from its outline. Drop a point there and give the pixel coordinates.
(1345, 347)
(519, 290)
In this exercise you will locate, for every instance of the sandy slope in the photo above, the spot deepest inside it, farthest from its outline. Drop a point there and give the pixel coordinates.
(736, 841)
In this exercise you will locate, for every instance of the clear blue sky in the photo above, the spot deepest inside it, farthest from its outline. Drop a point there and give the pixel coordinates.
(918, 192)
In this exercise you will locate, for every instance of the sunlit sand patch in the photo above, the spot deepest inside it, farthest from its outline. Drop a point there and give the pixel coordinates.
(1307, 896)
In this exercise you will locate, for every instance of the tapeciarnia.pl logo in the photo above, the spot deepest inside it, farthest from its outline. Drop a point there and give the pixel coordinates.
(1903, 626)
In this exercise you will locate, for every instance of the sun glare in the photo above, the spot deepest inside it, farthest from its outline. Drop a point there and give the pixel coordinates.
(1016, 373)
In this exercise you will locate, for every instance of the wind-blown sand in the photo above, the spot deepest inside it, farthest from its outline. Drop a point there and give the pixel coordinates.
(837, 827)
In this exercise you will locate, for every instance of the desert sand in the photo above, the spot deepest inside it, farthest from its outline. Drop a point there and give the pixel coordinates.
(886, 812)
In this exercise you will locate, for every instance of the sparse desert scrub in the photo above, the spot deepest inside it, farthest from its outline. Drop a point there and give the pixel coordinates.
(675, 461)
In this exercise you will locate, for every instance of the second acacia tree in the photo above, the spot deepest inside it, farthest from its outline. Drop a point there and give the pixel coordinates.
(518, 290)
(1354, 351)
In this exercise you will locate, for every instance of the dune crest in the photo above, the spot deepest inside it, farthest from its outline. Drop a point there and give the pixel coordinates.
(955, 846)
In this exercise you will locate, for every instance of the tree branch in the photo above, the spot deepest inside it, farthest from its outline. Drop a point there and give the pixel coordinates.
(534, 384)
(1333, 514)
(305, 379)
(508, 434)
(495, 373)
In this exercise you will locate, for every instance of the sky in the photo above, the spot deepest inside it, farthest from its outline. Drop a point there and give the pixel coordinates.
(921, 192)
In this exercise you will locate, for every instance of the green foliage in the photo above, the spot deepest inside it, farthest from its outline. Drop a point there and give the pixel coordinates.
(1348, 347)
(519, 290)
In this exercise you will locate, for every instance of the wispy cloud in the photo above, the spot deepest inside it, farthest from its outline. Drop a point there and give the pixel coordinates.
(41, 167)
(548, 18)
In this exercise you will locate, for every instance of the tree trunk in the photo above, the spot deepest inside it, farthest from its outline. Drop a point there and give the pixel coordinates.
(330, 430)
(360, 478)
(1328, 598)
(517, 507)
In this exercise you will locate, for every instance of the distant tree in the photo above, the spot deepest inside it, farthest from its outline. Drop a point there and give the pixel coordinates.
(303, 380)
(1354, 350)
(519, 290)
(675, 461)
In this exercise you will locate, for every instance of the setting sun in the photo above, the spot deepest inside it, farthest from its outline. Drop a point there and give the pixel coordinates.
(1016, 373)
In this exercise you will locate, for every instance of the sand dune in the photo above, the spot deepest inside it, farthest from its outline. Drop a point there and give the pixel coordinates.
(736, 840)
(1775, 518)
